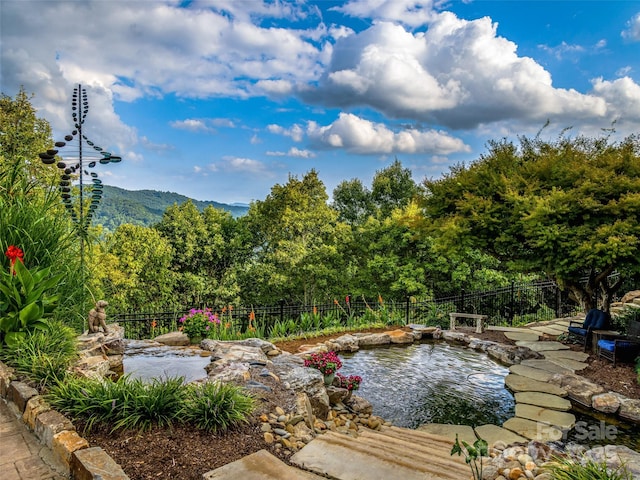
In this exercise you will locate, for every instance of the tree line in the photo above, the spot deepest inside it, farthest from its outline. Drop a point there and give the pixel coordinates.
(561, 209)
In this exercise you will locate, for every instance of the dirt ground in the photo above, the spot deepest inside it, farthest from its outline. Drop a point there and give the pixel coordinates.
(186, 453)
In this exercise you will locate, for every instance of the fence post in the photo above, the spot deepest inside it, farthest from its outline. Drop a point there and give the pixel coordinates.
(281, 310)
(512, 302)
(406, 310)
(557, 288)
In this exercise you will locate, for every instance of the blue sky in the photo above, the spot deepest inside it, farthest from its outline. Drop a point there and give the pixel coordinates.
(222, 99)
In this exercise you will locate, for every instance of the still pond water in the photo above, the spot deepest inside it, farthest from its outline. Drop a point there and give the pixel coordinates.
(431, 382)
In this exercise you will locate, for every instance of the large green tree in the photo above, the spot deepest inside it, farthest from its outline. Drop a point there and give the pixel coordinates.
(131, 270)
(568, 208)
(296, 235)
(392, 188)
(207, 253)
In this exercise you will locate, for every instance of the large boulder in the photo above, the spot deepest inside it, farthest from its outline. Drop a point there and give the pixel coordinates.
(345, 343)
(400, 336)
(615, 456)
(307, 380)
(173, 339)
(223, 353)
(510, 354)
(373, 339)
(578, 388)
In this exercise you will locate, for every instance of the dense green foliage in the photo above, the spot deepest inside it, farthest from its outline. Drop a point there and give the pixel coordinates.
(42, 355)
(32, 217)
(560, 210)
(128, 404)
(146, 207)
(25, 303)
(568, 208)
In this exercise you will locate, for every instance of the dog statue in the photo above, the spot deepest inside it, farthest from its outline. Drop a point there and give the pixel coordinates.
(97, 317)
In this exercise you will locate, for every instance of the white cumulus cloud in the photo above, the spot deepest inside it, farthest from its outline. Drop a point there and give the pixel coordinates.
(632, 32)
(361, 136)
(459, 73)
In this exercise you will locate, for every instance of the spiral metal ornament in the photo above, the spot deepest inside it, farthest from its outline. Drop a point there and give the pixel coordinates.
(80, 197)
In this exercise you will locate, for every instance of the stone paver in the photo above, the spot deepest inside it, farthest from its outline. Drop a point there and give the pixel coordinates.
(562, 420)
(569, 364)
(494, 433)
(258, 466)
(550, 330)
(518, 383)
(533, 430)
(498, 328)
(545, 365)
(464, 432)
(530, 372)
(545, 400)
(22, 457)
(543, 346)
(522, 336)
(378, 456)
(570, 354)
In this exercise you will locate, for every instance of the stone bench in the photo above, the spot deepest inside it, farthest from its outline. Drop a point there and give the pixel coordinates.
(480, 320)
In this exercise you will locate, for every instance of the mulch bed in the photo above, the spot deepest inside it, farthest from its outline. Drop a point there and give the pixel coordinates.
(185, 453)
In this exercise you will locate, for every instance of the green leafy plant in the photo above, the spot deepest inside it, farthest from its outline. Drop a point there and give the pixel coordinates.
(42, 355)
(214, 406)
(25, 304)
(472, 454)
(638, 368)
(125, 404)
(566, 469)
(199, 323)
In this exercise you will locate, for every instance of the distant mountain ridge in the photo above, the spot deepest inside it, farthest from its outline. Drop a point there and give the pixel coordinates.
(145, 207)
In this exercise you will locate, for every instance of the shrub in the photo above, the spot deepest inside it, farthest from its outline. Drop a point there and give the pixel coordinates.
(43, 355)
(214, 406)
(565, 469)
(124, 404)
(199, 323)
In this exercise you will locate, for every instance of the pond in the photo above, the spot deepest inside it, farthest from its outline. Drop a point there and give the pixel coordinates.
(431, 383)
(149, 360)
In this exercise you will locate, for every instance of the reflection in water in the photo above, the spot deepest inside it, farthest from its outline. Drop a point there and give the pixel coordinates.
(149, 360)
(432, 383)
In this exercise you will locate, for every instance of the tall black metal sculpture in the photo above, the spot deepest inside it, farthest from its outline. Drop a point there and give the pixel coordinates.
(79, 186)
(78, 166)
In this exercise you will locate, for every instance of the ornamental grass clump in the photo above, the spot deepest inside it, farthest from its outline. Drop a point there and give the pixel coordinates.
(199, 323)
(566, 469)
(326, 362)
(124, 404)
(216, 407)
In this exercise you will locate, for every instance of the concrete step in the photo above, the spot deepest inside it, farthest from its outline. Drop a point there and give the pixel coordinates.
(391, 453)
(259, 466)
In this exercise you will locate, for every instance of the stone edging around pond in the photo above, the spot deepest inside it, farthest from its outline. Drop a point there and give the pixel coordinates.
(580, 390)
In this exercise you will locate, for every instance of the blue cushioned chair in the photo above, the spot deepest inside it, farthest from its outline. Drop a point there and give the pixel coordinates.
(595, 320)
(623, 347)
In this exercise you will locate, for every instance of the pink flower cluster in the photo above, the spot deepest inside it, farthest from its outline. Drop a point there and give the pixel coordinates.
(352, 382)
(327, 363)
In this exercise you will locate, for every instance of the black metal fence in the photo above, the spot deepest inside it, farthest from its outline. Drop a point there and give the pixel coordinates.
(512, 305)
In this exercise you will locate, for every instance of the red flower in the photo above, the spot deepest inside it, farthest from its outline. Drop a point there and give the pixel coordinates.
(14, 253)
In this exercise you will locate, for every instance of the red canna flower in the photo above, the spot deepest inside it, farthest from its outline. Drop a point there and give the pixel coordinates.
(14, 253)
